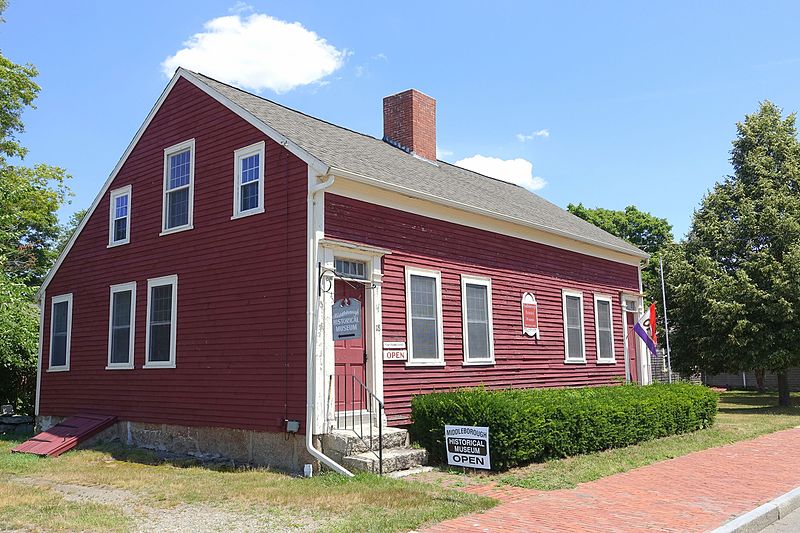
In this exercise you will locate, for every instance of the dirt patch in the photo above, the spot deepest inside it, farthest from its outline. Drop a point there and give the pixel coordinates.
(185, 518)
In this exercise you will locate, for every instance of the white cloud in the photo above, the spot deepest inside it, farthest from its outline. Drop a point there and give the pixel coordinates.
(525, 137)
(257, 52)
(442, 152)
(518, 171)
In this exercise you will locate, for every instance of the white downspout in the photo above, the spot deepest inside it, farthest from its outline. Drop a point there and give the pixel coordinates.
(312, 324)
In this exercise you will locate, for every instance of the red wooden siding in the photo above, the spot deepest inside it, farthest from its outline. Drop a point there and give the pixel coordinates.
(241, 331)
(515, 266)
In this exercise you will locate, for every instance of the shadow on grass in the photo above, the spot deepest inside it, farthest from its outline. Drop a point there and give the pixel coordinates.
(757, 403)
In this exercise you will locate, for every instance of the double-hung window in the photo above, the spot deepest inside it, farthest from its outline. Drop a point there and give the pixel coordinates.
(476, 312)
(604, 328)
(121, 319)
(178, 187)
(248, 187)
(120, 217)
(162, 319)
(574, 348)
(60, 332)
(424, 317)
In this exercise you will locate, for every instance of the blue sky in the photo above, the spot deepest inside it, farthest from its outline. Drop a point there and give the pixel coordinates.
(612, 104)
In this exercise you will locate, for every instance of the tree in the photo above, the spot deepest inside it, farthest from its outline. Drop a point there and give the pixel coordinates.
(639, 228)
(69, 229)
(30, 197)
(735, 282)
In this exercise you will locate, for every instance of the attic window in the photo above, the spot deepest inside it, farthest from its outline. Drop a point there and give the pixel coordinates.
(120, 217)
(178, 187)
(248, 187)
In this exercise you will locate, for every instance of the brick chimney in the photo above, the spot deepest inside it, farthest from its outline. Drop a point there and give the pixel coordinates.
(409, 122)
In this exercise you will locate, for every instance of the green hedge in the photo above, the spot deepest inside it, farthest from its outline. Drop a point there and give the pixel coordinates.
(533, 425)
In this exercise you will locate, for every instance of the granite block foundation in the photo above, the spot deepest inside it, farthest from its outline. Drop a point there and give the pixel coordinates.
(280, 451)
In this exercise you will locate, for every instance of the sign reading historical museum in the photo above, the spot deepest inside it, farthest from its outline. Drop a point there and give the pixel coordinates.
(346, 319)
(467, 446)
(530, 315)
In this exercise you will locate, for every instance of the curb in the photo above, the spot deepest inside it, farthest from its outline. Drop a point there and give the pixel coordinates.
(763, 516)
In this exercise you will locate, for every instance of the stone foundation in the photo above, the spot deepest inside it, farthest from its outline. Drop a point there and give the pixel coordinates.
(17, 424)
(281, 451)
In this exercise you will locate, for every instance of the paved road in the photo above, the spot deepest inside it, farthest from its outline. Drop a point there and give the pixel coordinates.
(696, 492)
(789, 524)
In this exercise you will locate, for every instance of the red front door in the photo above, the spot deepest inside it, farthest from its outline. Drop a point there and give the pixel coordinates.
(350, 354)
(632, 343)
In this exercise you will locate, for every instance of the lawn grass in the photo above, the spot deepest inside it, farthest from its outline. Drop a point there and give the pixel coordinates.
(335, 503)
(742, 415)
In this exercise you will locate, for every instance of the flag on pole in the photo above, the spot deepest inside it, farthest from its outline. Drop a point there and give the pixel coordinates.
(646, 328)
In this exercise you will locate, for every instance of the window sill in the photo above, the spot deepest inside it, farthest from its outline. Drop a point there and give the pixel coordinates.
(119, 367)
(115, 244)
(606, 361)
(479, 363)
(57, 369)
(418, 364)
(247, 214)
(159, 365)
(574, 361)
(176, 230)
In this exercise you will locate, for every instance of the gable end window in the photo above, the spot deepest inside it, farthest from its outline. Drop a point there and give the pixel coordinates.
(60, 332)
(162, 320)
(178, 207)
(248, 186)
(574, 344)
(424, 317)
(121, 318)
(604, 328)
(119, 217)
(476, 312)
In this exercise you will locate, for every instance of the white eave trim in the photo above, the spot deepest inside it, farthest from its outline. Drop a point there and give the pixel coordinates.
(479, 211)
(309, 159)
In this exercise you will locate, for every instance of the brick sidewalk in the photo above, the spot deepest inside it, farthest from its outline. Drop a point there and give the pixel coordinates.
(696, 492)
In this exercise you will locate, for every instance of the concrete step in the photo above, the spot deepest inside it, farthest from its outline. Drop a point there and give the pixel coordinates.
(342, 442)
(394, 459)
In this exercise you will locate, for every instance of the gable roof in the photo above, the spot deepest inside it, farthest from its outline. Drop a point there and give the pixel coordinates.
(332, 148)
(383, 164)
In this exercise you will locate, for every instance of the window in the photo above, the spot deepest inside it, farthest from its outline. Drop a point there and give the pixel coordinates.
(122, 310)
(60, 332)
(162, 310)
(424, 317)
(120, 217)
(604, 329)
(476, 312)
(248, 192)
(573, 327)
(178, 187)
(350, 269)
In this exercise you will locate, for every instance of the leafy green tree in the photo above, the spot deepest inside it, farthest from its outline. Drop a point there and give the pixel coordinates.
(29, 199)
(69, 229)
(734, 285)
(650, 233)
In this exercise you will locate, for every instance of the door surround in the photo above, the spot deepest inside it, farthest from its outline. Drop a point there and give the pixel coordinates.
(371, 256)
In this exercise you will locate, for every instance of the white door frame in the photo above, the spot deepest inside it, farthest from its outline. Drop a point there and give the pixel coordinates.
(371, 257)
(644, 376)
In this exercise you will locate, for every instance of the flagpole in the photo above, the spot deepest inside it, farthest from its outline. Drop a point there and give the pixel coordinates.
(666, 324)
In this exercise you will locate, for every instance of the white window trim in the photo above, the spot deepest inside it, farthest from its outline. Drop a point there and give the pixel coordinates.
(116, 193)
(577, 294)
(56, 300)
(122, 287)
(254, 149)
(604, 360)
(436, 275)
(180, 147)
(485, 282)
(157, 282)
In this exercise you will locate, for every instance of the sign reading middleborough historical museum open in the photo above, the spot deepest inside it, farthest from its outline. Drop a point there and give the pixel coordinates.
(467, 446)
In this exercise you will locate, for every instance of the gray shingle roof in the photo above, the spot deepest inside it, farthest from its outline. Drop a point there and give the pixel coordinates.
(362, 154)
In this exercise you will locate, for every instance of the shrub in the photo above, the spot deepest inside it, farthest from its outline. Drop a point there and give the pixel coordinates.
(533, 425)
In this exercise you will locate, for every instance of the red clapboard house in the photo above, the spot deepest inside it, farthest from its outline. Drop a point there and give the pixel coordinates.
(244, 261)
